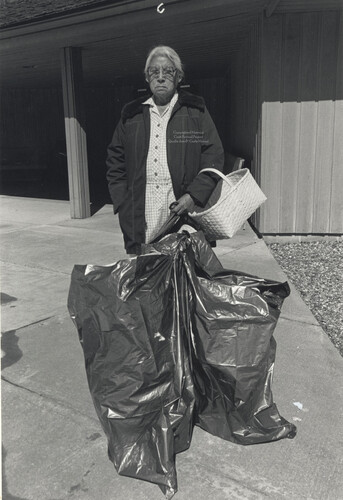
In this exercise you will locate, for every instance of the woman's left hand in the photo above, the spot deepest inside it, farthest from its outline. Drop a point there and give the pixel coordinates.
(183, 205)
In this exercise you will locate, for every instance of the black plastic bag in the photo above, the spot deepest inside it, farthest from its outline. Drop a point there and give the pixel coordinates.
(171, 339)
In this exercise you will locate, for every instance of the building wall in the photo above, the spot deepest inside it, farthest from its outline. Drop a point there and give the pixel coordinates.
(301, 159)
(215, 92)
(244, 106)
(243, 111)
(33, 120)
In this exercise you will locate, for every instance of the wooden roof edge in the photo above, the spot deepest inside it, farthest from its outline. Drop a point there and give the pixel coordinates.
(21, 12)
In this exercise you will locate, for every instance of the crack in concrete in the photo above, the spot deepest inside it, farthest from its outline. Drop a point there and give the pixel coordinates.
(40, 268)
(50, 400)
(29, 324)
(302, 322)
(236, 249)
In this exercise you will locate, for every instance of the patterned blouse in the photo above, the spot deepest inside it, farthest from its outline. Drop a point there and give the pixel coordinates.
(159, 190)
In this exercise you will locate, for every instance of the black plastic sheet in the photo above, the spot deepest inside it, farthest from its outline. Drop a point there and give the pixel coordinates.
(172, 340)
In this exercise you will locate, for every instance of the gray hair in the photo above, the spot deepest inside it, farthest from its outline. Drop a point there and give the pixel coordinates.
(163, 50)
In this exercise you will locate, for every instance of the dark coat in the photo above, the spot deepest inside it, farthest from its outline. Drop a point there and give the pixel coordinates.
(192, 144)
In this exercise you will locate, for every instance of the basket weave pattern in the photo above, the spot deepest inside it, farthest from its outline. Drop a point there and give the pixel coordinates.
(233, 201)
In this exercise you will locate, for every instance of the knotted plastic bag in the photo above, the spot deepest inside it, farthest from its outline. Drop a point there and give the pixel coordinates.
(172, 340)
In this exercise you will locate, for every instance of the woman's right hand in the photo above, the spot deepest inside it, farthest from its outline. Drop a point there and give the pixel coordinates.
(183, 205)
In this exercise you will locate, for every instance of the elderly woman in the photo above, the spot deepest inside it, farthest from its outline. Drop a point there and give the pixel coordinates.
(158, 148)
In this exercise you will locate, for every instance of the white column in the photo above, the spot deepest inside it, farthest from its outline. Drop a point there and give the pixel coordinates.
(74, 118)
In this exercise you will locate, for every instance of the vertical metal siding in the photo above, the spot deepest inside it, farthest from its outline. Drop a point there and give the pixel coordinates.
(325, 127)
(308, 74)
(290, 124)
(302, 123)
(271, 123)
(336, 208)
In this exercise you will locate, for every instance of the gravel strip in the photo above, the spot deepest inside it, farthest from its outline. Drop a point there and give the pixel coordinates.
(316, 270)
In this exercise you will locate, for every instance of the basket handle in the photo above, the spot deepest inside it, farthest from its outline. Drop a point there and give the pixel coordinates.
(218, 172)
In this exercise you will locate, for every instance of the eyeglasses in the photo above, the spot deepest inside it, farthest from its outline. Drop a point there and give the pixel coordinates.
(167, 72)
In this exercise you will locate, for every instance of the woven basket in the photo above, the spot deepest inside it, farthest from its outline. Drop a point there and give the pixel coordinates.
(233, 201)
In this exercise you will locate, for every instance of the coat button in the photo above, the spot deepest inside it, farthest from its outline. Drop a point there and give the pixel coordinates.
(155, 160)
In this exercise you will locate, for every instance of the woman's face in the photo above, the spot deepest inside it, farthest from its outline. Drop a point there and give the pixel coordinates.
(163, 78)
